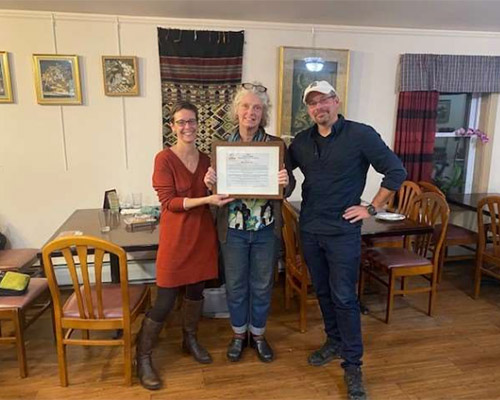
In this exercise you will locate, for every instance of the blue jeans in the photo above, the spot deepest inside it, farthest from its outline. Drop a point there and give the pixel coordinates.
(333, 262)
(249, 258)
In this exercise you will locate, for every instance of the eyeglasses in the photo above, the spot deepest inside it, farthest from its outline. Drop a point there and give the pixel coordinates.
(250, 86)
(181, 123)
(322, 101)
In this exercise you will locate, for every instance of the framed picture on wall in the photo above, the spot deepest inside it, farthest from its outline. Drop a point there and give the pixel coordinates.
(294, 77)
(443, 111)
(57, 79)
(5, 82)
(120, 75)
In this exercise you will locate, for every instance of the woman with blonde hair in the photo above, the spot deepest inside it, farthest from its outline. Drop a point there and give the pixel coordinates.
(249, 231)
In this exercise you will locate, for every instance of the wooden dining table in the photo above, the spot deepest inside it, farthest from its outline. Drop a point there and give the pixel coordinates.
(373, 227)
(86, 221)
(468, 201)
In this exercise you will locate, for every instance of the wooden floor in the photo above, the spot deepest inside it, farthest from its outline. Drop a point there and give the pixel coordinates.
(455, 355)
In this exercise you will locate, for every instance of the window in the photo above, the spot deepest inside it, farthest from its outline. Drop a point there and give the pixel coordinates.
(454, 155)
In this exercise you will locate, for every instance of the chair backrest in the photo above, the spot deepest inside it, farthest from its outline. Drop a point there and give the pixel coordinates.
(429, 187)
(294, 258)
(491, 205)
(401, 201)
(430, 209)
(89, 296)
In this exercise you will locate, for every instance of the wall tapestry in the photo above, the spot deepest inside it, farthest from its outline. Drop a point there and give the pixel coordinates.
(203, 67)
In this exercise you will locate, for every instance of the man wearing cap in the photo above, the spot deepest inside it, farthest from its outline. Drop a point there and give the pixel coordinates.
(334, 155)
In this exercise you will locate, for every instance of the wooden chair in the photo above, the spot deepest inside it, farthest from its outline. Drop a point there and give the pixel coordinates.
(427, 208)
(456, 235)
(98, 306)
(399, 203)
(15, 309)
(488, 250)
(297, 279)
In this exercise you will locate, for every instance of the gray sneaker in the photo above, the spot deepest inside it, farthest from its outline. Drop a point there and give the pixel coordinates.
(328, 352)
(353, 378)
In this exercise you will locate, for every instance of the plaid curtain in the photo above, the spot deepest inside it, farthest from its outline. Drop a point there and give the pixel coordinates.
(203, 67)
(415, 133)
(449, 73)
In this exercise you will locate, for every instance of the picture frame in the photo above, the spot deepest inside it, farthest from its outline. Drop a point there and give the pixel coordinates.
(120, 75)
(111, 201)
(6, 95)
(294, 77)
(57, 79)
(443, 111)
(248, 169)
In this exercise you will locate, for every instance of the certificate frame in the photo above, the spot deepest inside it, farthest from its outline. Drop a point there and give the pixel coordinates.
(271, 152)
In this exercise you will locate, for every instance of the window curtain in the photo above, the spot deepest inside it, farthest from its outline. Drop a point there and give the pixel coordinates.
(449, 73)
(204, 68)
(415, 133)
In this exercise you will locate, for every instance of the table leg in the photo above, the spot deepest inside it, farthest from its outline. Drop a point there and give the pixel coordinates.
(114, 265)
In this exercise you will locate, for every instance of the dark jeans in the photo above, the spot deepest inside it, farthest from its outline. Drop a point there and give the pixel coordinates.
(249, 259)
(333, 262)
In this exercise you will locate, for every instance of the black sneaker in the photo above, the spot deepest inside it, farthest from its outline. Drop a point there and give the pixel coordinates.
(353, 378)
(328, 352)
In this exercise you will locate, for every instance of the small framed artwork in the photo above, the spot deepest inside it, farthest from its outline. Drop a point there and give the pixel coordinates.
(443, 111)
(295, 76)
(57, 79)
(120, 75)
(5, 82)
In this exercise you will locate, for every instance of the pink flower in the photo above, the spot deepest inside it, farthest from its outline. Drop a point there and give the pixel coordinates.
(473, 132)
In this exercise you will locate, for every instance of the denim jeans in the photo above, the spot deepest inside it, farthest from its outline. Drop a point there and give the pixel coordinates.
(333, 262)
(249, 258)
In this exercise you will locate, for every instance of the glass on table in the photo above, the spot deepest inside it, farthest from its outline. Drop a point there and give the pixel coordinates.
(136, 200)
(104, 220)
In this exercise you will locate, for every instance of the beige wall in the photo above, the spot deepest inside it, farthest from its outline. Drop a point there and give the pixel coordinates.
(37, 192)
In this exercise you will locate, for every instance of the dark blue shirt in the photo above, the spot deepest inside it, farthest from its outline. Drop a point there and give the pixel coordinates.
(335, 170)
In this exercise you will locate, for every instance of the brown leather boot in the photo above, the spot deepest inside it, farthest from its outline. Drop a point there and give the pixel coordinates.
(145, 342)
(191, 313)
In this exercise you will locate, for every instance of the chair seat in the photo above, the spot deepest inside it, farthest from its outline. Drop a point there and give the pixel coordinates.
(457, 233)
(395, 257)
(13, 259)
(35, 288)
(111, 299)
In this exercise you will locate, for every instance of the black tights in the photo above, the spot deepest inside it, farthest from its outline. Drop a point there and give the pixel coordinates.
(165, 300)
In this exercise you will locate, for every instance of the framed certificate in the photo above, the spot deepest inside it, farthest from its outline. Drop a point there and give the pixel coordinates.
(248, 169)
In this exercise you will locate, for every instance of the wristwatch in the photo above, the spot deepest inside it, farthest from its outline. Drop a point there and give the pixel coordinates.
(371, 210)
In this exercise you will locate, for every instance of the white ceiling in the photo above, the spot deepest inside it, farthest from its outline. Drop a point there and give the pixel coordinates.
(471, 15)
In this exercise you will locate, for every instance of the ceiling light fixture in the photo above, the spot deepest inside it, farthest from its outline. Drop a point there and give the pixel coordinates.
(314, 64)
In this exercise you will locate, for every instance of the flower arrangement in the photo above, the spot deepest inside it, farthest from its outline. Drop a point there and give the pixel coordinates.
(473, 132)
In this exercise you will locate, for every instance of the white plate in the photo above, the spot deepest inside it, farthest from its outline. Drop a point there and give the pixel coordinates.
(387, 216)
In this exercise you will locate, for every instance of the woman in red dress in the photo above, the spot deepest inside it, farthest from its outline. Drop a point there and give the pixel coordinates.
(187, 253)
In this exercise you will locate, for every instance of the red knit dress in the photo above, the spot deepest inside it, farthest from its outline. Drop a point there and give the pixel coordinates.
(187, 252)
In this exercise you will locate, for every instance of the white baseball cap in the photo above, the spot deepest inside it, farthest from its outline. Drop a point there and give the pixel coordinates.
(320, 87)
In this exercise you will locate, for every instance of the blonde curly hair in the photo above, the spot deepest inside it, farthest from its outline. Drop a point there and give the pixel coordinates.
(263, 96)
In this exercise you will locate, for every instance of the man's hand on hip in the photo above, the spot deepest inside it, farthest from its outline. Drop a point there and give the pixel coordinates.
(356, 213)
